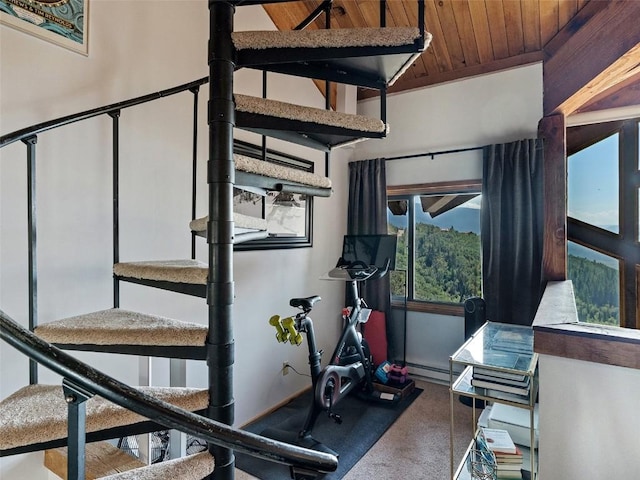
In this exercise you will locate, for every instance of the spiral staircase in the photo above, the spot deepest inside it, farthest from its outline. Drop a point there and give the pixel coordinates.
(90, 406)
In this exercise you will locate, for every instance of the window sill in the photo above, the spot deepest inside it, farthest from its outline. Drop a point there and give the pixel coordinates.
(558, 332)
(452, 310)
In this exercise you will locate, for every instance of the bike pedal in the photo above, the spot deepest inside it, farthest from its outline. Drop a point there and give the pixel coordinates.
(336, 418)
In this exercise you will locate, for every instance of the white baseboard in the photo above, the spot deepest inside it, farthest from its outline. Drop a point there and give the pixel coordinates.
(429, 373)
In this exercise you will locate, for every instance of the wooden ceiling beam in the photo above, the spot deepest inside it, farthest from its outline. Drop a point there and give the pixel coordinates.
(596, 50)
(621, 95)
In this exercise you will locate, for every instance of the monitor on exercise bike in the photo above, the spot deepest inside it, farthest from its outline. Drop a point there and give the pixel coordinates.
(370, 249)
(364, 257)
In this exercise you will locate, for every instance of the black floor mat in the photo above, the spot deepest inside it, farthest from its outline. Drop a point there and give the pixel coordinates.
(363, 423)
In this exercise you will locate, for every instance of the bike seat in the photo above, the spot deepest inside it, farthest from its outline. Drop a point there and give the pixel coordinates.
(305, 303)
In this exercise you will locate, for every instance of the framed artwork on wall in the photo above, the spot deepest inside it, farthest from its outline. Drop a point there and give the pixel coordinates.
(62, 22)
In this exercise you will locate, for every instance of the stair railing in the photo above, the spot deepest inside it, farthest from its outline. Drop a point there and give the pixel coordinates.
(82, 381)
(29, 136)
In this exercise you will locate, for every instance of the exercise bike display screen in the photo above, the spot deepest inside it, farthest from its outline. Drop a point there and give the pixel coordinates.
(370, 249)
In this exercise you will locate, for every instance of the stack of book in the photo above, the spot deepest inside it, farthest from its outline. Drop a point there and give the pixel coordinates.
(507, 357)
(508, 456)
(499, 381)
(491, 379)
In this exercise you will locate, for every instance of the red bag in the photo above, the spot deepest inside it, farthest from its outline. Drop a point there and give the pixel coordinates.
(375, 333)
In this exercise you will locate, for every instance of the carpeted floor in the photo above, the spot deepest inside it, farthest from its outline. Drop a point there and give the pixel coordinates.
(416, 446)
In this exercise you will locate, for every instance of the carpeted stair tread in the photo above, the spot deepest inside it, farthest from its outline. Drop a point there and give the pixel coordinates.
(328, 38)
(101, 459)
(192, 467)
(38, 413)
(176, 271)
(122, 327)
(242, 222)
(316, 116)
(281, 172)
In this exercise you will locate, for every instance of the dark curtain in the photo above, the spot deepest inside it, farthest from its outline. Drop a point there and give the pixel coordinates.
(367, 215)
(512, 230)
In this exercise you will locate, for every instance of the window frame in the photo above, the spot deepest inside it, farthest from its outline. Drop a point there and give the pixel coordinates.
(625, 245)
(407, 192)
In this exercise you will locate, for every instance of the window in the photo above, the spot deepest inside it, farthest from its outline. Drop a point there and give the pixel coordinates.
(603, 195)
(438, 229)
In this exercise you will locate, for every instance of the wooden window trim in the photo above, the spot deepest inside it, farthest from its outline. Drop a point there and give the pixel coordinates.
(624, 245)
(458, 186)
(451, 310)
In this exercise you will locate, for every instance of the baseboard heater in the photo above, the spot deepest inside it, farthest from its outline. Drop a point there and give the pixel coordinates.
(430, 372)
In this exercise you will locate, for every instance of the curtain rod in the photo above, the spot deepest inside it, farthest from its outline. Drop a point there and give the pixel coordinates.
(433, 154)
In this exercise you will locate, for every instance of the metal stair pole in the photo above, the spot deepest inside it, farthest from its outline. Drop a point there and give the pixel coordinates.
(30, 142)
(115, 188)
(220, 178)
(194, 166)
(76, 397)
(327, 85)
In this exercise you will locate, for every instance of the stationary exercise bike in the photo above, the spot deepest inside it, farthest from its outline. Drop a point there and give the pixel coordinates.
(351, 365)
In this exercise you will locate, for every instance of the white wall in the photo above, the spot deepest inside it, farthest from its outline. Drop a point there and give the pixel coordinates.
(495, 108)
(137, 48)
(588, 421)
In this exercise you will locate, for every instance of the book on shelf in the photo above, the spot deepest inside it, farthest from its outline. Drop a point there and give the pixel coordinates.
(498, 441)
(504, 359)
(509, 475)
(509, 458)
(499, 379)
(509, 467)
(509, 397)
(499, 374)
(492, 385)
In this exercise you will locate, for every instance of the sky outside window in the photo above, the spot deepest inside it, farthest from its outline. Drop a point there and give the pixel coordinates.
(593, 185)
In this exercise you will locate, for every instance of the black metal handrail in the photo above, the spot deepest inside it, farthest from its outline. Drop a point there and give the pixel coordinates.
(27, 132)
(161, 412)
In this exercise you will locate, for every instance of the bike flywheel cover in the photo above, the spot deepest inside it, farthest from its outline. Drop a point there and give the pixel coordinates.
(326, 377)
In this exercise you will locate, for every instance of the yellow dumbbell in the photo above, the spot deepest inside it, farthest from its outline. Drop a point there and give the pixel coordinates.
(281, 335)
(289, 325)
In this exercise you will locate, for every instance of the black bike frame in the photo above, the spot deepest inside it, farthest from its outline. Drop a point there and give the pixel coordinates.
(349, 337)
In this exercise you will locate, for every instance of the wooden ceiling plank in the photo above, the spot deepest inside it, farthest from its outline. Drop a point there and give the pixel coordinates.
(596, 50)
(287, 16)
(451, 34)
(513, 21)
(495, 14)
(371, 12)
(279, 16)
(562, 36)
(339, 16)
(548, 20)
(531, 25)
(481, 30)
(567, 9)
(353, 11)
(427, 63)
(582, 3)
(438, 45)
(462, 15)
(397, 10)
